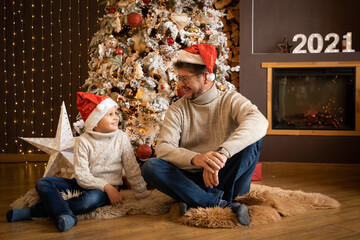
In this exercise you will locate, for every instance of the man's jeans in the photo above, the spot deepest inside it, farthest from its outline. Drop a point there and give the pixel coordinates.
(53, 205)
(189, 187)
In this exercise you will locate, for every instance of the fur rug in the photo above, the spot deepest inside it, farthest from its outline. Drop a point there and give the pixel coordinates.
(265, 204)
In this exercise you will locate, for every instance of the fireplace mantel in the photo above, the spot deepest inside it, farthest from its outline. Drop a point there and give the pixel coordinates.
(327, 131)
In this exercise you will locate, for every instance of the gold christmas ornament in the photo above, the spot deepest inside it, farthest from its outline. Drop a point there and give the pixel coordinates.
(194, 30)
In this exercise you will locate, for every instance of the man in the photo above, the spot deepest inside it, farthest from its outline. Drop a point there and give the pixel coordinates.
(210, 140)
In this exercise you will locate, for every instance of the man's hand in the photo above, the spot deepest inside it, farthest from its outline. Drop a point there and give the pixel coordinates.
(211, 179)
(210, 161)
(113, 194)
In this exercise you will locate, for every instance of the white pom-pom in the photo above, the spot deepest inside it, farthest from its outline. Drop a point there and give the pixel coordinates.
(210, 77)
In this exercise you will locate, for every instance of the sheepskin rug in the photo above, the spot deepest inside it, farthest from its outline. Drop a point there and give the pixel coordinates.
(266, 205)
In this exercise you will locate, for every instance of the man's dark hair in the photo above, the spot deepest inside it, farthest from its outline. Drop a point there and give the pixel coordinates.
(194, 68)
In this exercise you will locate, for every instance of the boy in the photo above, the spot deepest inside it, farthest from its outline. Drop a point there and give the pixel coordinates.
(100, 155)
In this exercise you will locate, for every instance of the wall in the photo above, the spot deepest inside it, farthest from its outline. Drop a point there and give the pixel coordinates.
(44, 61)
(273, 21)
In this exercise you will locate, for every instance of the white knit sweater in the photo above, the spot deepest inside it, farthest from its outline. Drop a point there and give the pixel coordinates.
(212, 121)
(99, 159)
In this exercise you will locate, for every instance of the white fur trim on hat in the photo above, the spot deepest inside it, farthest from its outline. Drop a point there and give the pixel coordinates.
(98, 113)
(187, 57)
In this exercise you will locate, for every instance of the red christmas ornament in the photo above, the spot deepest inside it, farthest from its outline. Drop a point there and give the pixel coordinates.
(180, 92)
(143, 151)
(134, 20)
(119, 51)
(112, 10)
(170, 41)
(146, 1)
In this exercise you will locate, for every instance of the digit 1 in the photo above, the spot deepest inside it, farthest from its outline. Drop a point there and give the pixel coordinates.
(348, 38)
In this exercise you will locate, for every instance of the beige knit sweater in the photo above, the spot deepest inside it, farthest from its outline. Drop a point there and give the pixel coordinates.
(212, 121)
(100, 158)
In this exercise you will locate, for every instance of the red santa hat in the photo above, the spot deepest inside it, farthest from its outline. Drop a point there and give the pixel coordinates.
(93, 107)
(203, 54)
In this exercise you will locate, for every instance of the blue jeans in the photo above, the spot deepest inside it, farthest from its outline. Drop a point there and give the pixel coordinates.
(53, 205)
(189, 187)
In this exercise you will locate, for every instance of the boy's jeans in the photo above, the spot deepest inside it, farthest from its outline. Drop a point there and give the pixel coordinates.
(53, 205)
(189, 187)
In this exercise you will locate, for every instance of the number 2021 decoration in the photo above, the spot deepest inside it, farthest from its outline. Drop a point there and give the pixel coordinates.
(331, 48)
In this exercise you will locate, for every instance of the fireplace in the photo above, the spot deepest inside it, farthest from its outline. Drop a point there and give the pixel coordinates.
(315, 98)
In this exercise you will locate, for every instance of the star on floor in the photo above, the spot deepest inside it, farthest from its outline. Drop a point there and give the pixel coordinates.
(60, 148)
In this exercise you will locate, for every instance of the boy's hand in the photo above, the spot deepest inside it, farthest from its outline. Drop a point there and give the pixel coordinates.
(113, 194)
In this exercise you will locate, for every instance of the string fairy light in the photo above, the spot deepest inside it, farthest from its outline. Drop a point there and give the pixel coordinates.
(21, 8)
(42, 69)
(60, 50)
(87, 23)
(32, 69)
(79, 39)
(6, 83)
(15, 101)
(51, 67)
(98, 9)
(70, 54)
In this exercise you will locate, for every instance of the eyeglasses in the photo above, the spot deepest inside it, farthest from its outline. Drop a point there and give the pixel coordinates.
(185, 79)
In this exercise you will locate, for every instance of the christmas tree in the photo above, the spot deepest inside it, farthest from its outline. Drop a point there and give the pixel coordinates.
(132, 58)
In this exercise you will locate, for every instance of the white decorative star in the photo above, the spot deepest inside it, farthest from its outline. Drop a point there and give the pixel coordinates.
(60, 148)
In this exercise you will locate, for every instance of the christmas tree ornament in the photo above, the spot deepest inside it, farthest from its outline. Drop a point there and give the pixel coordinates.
(102, 50)
(114, 96)
(138, 71)
(134, 20)
(194, 30)
(164, 87)
(180, 20)
(119, 51)
(180, 92)
(143, 47)
(170, 41)
(144, 96)
(111, 42)
(116, 24)
(143, 152)
(112, 10)
(60, 148)
(146, 1)
(137, 41)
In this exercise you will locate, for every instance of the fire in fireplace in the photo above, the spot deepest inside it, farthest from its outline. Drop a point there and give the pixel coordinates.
(313, 99)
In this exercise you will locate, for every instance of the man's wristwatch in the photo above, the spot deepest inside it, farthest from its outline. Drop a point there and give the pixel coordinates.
(224, 152)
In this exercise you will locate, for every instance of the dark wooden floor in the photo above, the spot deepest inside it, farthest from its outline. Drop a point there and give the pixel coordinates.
(338, 181)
